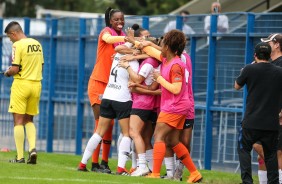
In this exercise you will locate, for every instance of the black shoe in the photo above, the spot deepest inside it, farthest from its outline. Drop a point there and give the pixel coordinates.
(17, 161)
(32, 157)
(105, 169)
(95, 167)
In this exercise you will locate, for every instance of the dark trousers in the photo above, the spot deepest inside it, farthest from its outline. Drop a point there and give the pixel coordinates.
(269, 140)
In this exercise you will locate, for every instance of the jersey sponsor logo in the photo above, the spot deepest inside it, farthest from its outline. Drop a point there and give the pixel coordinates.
(33, 48)
(114, 86)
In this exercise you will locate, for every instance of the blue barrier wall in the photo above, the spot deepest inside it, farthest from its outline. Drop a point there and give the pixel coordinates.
(65, 122)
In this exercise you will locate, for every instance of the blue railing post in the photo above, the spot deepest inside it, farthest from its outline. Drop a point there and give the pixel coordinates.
(1, 44)
(51, 87)
(193, 44)
(249, 49)
(179, 22)
(99, 24)
(210, 92)
(145, 22)
(27, 26)
(80, 86)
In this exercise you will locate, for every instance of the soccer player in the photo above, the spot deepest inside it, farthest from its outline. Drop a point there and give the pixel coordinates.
(109, 38)
(116, 103)
(142, 110)
(27, 62)
(174, 100)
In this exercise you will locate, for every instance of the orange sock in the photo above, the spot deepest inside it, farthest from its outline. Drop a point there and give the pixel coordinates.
(183, 154)
(107, 141)
(159, 153)
(96, 153)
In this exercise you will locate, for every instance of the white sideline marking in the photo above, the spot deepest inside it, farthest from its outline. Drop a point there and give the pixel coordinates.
(61, 179)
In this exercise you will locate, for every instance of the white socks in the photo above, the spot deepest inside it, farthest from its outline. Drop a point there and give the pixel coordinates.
(142, 160)
(124, 149)
(262, 176)
(149, 158)
(90, 147)
(170, 166)
(133, 156)
(118, 141)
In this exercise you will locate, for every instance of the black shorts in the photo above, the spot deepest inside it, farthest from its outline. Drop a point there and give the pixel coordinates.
(279, 147)
(145, 115)
(112, 109)
(189, 123)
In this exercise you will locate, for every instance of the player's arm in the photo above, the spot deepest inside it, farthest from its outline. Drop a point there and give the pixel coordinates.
(148, 47)
(150, 50)
(123, 49)
(12, 70)
(108, 38)
(135, 77)
(16, 59)
(152, 89)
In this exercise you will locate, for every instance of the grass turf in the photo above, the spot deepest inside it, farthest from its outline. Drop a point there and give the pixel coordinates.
(61, 169)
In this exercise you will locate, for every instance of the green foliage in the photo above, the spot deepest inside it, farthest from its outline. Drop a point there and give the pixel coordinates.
(61, 169)
(27, 8)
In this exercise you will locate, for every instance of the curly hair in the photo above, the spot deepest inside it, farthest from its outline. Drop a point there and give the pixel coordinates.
(175, 40)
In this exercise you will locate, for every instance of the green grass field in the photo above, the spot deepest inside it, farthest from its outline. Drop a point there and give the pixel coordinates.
(61, 169)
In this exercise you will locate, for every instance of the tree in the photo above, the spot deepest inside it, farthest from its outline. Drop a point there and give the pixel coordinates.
(27, 8)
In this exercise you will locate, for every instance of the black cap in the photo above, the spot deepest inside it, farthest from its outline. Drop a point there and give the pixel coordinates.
(263, 48)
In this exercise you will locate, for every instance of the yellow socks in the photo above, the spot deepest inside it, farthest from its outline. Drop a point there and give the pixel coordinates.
(31, 135)
(19, 140)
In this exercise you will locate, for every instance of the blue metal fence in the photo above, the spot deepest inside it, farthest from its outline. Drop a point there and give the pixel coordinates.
(66, 119)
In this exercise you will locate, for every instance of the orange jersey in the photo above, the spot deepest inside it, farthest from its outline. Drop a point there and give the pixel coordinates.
(103, 64)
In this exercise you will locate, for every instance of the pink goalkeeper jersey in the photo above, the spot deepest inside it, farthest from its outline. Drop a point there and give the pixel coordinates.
(143, 101)
(170, 103)
(187, 60)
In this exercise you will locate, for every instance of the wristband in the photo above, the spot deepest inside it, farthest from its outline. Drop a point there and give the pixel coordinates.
(127, 67)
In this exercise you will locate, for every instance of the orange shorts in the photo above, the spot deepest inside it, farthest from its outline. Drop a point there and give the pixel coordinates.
(95, 91)
(175, 120)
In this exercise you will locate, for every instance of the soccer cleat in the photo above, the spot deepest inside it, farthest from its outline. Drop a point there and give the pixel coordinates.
(104, 168)
(132, 170)
(82, 167)
(123, 173)
(195, 177)
(166, 177)
(153, 175)
(20, 161)
(95, 167)
(140, 171)
(32, 157)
